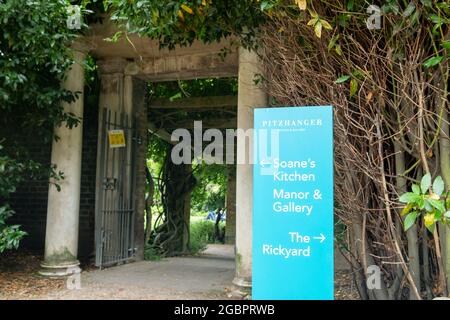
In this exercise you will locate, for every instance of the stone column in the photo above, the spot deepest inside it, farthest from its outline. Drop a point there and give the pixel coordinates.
(121, 91)
(112, 84)
(138, 92)
(61, 239)
(230, 226)
(250, 96)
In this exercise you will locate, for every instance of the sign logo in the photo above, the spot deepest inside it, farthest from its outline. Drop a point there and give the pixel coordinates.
(293, 236)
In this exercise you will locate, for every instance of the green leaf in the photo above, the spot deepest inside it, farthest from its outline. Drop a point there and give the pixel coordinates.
(266, 5)
(410, 220)
(350, 5)
(409, 10)
(326, 24)
(313, 14)
(446, 45)
(342, 79)
(425, 183)
(436, 19)
(421, 203)
(438, 185)
(332, 42)
(312, 22)
(353, 87)
(318, 29)
(176, 96)
(438, 204)
(431, 227)
(358, 74)
(409, 197)
(407, 209)
(433, 61)
(428, 206)
(427, 3)
(390, 8)
(416, 189)
(447, 214)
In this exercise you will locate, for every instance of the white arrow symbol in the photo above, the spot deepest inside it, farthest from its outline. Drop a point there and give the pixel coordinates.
(264, 162)
(321, 238)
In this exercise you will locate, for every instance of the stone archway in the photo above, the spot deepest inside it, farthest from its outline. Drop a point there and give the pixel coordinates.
(124, 68)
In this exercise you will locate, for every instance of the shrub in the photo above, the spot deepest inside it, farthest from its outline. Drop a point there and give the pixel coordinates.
(151, 253)
(203, 233)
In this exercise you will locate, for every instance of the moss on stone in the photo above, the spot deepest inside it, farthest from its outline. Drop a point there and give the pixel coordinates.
(238, 261)
(62, 257)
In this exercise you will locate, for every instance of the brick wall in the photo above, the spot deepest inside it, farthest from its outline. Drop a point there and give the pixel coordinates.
(86, 245)
(30, 199)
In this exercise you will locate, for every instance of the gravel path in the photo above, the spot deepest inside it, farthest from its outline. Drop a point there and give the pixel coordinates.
(206, 276)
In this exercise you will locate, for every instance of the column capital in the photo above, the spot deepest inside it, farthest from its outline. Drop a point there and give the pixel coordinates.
(112, 65)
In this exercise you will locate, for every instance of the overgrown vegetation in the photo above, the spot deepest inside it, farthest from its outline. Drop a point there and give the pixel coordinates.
(210, 190)
(34, 55)
(203, 233)
(182, 22)
(389, 89)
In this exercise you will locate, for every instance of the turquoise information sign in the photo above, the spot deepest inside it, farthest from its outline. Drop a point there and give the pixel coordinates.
(293, 204)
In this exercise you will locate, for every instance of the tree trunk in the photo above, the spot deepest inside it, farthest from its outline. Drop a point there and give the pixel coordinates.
(413, 241)
(444, 151)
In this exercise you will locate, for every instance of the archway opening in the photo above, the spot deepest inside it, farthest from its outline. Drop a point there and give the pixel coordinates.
(190, 196)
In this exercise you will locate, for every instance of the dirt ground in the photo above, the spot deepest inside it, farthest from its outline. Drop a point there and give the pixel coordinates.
(206, 276)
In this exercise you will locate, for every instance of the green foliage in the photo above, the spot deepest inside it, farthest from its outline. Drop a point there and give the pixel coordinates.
(342, 79)
(209, 193)
(202, 233)
(33, 59)
(151, 254)
(337, 20)
(182, 22)
(11, 173)
(427, 200)
(10, 235)
(34, 56)
(194, 88)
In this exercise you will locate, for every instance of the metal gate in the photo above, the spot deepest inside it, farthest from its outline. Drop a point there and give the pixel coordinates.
(115, 205)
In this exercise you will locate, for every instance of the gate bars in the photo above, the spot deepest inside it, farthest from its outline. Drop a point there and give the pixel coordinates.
(115, 204)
